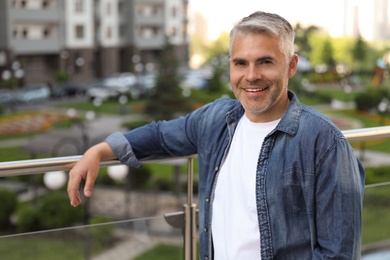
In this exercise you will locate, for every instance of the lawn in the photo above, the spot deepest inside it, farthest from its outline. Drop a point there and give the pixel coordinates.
(42, 248)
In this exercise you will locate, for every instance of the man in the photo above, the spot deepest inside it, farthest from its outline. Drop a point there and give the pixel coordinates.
(277, 180)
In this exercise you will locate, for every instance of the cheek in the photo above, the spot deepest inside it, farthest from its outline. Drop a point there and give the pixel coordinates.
(234, 77)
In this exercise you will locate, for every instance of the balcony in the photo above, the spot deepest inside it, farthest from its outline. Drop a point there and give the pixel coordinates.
(165, 220)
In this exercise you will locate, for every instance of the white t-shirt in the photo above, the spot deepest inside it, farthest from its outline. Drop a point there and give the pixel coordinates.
(235, 226)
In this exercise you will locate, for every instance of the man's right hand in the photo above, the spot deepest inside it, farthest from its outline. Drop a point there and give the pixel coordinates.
(87, 168)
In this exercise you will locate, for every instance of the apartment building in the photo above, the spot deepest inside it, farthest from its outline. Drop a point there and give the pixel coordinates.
(87, 39)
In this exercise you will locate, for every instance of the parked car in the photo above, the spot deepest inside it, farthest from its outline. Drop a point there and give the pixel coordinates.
(98, 90)
(7, 97)
(121, 81)
(68, 89)
(33, 93)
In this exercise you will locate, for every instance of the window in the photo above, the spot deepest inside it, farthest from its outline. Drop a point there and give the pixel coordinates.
(46, 33)
(79, 31)
(79, 6)
(108, 9)
(122, 30)
(173, 32)
(24, 33)
(109, 32)
(173, 11)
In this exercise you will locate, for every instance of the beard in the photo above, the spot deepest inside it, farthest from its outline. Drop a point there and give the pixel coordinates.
(270, 94)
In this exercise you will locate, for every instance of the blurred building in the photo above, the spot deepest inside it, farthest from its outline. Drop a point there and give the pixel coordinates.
(87, 38)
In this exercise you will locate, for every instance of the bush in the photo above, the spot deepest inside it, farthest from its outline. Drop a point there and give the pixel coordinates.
(370, 98)
(377, 174)
(28, 219)
(135, 124)
(140, 177)
(103, 234)
(7, 206)
(53, 211)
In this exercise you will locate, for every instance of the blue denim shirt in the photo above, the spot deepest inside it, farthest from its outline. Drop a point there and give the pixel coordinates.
(309, 183)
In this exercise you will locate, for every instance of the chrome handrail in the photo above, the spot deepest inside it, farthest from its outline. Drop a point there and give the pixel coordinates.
(363, 134)
(35, 166)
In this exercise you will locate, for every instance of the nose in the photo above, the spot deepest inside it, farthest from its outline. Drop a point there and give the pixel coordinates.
(253, 73)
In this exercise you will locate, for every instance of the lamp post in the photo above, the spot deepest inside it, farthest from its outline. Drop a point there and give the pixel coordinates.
(120, 173)
(54, 180)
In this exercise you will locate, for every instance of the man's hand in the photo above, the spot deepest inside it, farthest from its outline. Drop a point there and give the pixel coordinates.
(87, 168)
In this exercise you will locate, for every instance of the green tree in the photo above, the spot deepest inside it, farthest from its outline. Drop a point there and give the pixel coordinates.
(167, 100)
(322, 49)
(359, 52)
(327, 54)
(218, 48)
(302, 36)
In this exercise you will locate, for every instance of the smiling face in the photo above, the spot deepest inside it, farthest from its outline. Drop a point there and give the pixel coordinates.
(259, 76)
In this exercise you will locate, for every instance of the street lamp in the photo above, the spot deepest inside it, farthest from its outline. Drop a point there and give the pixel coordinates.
(54, 180)
(118, 172)
(121, 173)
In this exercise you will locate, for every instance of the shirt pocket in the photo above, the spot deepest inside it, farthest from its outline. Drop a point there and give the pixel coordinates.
(298, 191)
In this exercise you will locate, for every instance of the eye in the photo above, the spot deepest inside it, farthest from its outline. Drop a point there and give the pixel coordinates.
(239, 63)
(268, 61)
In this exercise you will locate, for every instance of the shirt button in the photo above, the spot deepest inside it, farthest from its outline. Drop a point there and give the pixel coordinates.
(205, 229)
(206, 258)
(216, 168)
(207, 199)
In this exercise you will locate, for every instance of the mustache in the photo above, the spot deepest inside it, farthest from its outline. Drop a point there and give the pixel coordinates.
(261, 83)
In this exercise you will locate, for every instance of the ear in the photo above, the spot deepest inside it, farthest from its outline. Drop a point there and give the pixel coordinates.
(293, 65)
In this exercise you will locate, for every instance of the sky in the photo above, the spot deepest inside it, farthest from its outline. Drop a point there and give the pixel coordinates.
(330, 14)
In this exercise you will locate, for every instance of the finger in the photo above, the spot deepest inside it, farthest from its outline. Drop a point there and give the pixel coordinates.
(76, 201)
(73, 186)
(89, 184)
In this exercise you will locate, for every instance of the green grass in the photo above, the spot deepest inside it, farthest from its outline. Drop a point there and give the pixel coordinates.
(376, 214)
(109, 107)
(162, 252)
(43, 248)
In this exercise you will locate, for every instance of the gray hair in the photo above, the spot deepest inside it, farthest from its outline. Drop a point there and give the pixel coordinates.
(268, 23)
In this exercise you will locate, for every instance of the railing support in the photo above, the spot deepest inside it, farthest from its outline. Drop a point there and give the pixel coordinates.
(190, 217)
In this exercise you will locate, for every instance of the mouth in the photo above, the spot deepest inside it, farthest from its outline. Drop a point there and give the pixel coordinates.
(254, 90)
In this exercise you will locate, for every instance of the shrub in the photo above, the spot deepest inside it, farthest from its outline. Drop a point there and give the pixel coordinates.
(103, 234)
(28, 219)
(140, 177)
(377, 174)
(53, 211)
(370, 98)
(7, 206)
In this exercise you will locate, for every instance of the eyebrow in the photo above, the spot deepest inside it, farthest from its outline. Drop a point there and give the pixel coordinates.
(263, 58)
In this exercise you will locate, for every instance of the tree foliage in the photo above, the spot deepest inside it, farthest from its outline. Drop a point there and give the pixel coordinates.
(167, 100)
(302, 35)
(359, 52)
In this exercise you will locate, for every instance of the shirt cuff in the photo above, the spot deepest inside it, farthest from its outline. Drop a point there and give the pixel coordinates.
(122, 149)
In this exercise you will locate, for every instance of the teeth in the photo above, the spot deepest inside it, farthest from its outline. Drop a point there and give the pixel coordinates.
(254, 89)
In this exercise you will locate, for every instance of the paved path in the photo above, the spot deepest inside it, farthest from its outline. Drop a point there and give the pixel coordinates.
(135, 244)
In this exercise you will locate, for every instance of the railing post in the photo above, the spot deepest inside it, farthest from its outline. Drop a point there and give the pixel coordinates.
(190, 217)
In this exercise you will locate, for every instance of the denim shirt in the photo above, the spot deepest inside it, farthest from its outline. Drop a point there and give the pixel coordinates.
(309, 183)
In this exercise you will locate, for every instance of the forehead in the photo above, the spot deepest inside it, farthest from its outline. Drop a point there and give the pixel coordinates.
(248, 45)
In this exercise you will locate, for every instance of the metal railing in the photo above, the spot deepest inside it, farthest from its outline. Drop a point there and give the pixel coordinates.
(187, 219)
